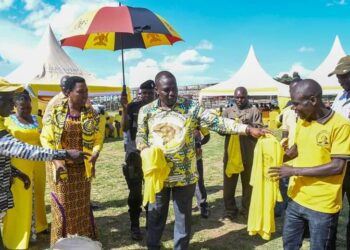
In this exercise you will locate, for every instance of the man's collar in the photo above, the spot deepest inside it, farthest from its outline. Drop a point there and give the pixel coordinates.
(179, 100)
(345, 95)
(323, 120)
(247, 106)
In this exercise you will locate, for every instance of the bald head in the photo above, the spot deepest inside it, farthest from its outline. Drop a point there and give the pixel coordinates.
(63, 84)
(306, 97)
(307, 88)
(164, 76)
(242, 90)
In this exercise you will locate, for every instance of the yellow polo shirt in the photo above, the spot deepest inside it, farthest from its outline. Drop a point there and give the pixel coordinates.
(318, 142)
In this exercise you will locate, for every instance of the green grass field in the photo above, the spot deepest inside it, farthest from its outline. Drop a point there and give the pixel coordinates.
(110, 193)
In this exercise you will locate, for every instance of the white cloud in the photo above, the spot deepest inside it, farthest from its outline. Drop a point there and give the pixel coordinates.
(131, 55)
(60, 19)
(188, 67)
(189, 61)
(339, 2)
(144, 70)
(16, 42)
(205, 44)
(31, 4)
(38, 19)
(5, 4)
(297, 67)
(305, 49)
(114, 79)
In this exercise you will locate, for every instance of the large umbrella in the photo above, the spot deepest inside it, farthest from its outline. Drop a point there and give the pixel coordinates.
(119, 28)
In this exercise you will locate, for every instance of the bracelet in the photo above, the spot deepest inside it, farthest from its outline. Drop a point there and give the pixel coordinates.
(60, 155)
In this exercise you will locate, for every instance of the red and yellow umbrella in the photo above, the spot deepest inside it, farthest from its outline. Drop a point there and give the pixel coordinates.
(118, 28)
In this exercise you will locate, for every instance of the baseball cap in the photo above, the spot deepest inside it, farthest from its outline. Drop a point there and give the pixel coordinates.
(5, 86)
(342, 67)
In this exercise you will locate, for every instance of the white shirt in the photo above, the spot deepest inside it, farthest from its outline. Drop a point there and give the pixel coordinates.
(341, 104)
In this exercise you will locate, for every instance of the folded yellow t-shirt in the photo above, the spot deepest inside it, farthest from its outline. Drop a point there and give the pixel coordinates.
(234, 162)
(155, 171)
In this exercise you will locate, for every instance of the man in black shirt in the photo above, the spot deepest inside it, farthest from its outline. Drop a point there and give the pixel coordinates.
(132, 168)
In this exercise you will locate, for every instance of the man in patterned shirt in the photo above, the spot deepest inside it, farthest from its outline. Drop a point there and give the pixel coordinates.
(11, 147)
(168, 123)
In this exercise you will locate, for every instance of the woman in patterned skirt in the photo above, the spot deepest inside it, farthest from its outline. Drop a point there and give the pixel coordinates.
(72, 126)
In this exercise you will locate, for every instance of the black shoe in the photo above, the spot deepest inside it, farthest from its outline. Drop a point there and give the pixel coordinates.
(205, 212)
(94, 207)
(136, 233)
(230, 215)
(195, 209)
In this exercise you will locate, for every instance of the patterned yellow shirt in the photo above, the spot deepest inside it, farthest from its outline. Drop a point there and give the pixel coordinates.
(172, 130)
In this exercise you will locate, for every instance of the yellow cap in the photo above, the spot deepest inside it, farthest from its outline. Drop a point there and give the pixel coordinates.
(5, 86)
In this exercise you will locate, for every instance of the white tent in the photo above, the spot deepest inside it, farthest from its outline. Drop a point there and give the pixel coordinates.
(329, 85)
(251, 76)
(48, 64)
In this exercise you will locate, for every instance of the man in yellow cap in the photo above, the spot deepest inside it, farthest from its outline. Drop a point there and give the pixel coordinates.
(342, 106)
(11, 147)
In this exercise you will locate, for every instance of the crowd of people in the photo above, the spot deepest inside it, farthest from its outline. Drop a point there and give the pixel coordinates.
(70, 138)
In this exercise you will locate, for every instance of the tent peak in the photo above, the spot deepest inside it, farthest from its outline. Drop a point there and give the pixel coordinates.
(320, 74)
(47, 64)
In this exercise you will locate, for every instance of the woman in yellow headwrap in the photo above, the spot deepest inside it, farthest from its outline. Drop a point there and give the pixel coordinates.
(72, 126)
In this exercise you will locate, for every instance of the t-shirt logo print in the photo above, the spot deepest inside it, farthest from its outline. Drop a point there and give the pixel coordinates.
(322, 138)
(167, 131)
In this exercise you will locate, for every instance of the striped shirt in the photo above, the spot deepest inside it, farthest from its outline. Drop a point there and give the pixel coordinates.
(11, 147)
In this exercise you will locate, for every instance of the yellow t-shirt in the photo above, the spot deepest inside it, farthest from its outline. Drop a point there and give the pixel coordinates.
(268, 152)
(289, 122)
(2, 123)
(318, 142)
(155, 171)
(273, 115)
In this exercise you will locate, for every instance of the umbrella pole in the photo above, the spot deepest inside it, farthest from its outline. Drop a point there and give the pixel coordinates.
(122, 45)
(123, 61)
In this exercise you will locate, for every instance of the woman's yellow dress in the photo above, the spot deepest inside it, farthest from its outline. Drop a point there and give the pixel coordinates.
(18, 221)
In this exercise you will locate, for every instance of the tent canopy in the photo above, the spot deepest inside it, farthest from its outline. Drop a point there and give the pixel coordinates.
(330, 85)
(43, 71)
(251, 76)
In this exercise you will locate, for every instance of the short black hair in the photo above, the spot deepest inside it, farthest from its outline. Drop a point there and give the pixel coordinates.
(149, 84)
(22, 97)
(72, 81)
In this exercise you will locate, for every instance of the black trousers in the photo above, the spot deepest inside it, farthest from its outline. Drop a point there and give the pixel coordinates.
(1, 244)
(201, 192)
(230, 184)
(134, 201)
(346, 191)
(132, 171)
